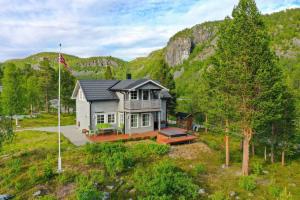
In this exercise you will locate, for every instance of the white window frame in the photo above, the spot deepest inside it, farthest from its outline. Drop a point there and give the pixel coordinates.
(114, 114)
(121, 119)
(104, 117)
(148, 91)
(137, 95)
(149, 120)
(137, 121)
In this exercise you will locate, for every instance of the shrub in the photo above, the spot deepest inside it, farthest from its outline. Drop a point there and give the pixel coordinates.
(219, 195)
(144, 150)
(97, 176)
(257, 168)
(47, 170)
(66, 177)
(117, 162)
(33, 176)
(165, 180)
(285, 195)
(247, 183)
(199, 169)
(274, 190)
(86, 189)
(14, 166)
(107, 148)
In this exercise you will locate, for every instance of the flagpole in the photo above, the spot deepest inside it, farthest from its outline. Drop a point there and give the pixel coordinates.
(59, 169)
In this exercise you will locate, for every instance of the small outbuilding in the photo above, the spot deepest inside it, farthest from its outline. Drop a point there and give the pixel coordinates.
(184, 120)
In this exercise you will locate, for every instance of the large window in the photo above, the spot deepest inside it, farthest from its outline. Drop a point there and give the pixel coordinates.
(133, 95)
(100, 118)
(134, 121)
(145, 95)
(111, 118)
(121, 119)
(145, 119)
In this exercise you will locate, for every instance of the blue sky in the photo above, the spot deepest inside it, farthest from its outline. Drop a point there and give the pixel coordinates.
(122, 28)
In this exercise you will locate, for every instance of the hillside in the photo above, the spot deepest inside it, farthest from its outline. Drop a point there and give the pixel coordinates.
(92, 67)
(190, 49)
(187, 52)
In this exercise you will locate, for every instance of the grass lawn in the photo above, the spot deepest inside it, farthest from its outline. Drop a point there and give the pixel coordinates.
(47, 120)
(26, 162)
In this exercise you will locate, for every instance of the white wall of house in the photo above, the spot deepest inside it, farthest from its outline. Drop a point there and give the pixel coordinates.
(82, 111)
(140, 127)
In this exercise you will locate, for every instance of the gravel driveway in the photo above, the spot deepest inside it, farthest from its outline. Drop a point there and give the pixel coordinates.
(70, 132)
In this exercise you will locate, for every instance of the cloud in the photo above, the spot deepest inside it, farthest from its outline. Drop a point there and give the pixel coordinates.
(121, 28)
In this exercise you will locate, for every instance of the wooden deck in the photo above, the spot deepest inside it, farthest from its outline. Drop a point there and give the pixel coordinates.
(122, 137)
(162, 139)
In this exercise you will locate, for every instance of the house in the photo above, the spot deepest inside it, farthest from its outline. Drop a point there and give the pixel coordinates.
(136, 106)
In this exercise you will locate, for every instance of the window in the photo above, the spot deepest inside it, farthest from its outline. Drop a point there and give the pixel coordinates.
(146, 119)
(111, 118)
(134, 121)
(121, 119)
(145, 94)
(100, 118)
(155, 94)
(133, 95)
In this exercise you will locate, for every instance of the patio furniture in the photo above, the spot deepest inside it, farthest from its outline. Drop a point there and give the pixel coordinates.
(104, 128)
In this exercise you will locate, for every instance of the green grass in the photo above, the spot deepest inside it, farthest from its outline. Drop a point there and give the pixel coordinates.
(23, 164)
(47, 120)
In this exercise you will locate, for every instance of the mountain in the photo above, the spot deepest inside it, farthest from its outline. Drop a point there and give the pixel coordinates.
(92, 67)
(187, 52)
(190, 49)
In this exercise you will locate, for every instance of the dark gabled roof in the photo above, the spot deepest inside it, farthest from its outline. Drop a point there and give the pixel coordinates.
(98, 89)
(128, 84)
(165, 94)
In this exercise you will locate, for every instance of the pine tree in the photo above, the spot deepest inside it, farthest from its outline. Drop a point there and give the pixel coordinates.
(108, 75)
(243, 58)
(67, 86)
(13, 97)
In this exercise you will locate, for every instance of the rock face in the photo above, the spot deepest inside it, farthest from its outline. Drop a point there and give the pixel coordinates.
(178, 50)
(102, 62)
(180, 47)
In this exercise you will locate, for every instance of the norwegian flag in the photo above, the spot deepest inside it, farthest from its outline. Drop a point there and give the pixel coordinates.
(63, 61)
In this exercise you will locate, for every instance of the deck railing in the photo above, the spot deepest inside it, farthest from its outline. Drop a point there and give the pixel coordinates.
(142, 104)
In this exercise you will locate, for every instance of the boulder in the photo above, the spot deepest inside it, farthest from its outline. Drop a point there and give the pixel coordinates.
(201, 191)
(5, 196)
(39, 193)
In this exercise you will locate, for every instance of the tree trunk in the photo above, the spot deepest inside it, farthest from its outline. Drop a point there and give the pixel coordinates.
(206, 121)
(246, 141)
(265, 153)
(272, 145)
(31, 110)
(282, 158)
(227, 143)
(46, 103)
(253, 148)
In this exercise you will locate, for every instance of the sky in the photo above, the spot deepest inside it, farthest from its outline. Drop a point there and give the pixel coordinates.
(121, 28)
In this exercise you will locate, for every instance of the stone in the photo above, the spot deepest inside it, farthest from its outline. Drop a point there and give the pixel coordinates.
(132, 191)
(38, 193)
(201, 191)
(265, 172)
(106, 196)
(5, 196)
(178, 50)
(232, 193)
(237, 198)
(110, 187)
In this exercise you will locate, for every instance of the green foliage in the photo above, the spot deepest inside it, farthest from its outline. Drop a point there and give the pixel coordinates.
(200, 169)
(6, 130)
(219, 195)
(108, 75)
(33, 174)
(15, 166)
(247, 183)
(285, 195)
(67, 177)
(48, 172)
(274, 190)
(103, 125)
(48, 197)
(165, 179)
(86, 190)
(145, 150)
(257, 168)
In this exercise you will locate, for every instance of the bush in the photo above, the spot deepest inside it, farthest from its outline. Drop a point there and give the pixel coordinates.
(107, 148)
(47, 170)
(66, 177)
(247, 183)
(219, 195)
(274, 190)
(97, 177)
(165, 180)
(86, 189)
(117, 162)
(144, 150)
(257, 168)
(14, 166)
(199, 169)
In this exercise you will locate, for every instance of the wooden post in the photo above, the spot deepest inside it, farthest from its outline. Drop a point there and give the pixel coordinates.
(206, 120)
(282, 158)
(265, 153)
